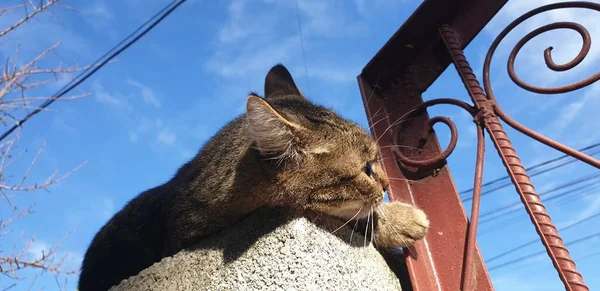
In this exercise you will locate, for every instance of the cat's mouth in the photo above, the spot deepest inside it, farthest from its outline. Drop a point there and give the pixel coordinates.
(347, 209)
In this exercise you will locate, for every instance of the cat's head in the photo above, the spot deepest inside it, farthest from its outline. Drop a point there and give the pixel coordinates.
(321, 160)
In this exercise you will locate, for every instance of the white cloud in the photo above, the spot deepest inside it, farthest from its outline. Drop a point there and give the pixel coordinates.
(162, 51)
(119, 101)
(38, 249)
(98, 12)
(592, 207)
(156, 130)
(248, 61)
(374, 7)
(148, 94)
(133, 137)
(116, 101)
(60, 123)
(255, 37)
(236, 29)
(186, 153)
(166, 136)
(324, 19)
(577, 122)
(333, 74)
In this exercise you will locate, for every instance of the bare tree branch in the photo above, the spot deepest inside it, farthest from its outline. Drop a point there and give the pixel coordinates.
(17, 79)
(27, 17)
(6, 9)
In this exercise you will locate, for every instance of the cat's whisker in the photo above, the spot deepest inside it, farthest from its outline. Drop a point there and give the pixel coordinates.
(391, 179)
(372, 224)
(400, 146)
(373, 91)
(355, 215)
(353, 229)
(378, 121)
(366, 230)
(398, 121)
(383, 159)
(376, 113)
(317, 216)
(399, 179)
(394, 182)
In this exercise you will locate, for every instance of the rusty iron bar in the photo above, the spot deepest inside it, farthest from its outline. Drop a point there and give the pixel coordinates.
(469, 279)
(553, 243)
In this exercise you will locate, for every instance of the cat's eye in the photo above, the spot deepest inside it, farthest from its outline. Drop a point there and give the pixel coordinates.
(368, 169)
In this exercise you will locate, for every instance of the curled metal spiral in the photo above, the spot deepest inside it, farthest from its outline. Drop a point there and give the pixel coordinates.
(583, 32)
(429, 128)
(585, 49)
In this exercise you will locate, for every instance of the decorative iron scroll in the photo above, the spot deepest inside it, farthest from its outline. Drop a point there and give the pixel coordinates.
(487, 114)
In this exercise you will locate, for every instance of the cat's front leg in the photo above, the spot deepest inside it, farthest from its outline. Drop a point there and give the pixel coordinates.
(399, 225)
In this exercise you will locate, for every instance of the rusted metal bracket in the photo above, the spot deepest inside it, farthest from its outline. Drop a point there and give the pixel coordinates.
(391, 86)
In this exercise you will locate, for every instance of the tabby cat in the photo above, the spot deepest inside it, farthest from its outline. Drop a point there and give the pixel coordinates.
(284, 151)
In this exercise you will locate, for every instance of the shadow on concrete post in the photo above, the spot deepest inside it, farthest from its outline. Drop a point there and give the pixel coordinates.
(273, 250)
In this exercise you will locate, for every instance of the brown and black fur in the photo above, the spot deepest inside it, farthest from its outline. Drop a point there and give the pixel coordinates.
(284, 151)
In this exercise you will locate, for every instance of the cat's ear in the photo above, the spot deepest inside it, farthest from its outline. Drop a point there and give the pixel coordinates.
(279, 82)
(274, 135)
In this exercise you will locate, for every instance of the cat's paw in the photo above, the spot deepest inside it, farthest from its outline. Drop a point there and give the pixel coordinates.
(400, 225)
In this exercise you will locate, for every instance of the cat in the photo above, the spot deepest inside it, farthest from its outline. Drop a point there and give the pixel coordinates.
(284, 151)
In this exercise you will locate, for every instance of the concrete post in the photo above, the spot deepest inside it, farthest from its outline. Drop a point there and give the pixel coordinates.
(273, 250)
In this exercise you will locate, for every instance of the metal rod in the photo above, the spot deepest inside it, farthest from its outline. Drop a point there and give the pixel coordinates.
(468, 275)
(548, 233)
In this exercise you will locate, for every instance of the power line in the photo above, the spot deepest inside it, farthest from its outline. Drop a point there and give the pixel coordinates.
(587, 178)
(587, 256)
(577, 259)
(530, 170)
(568, 244)
(98, 64)
(550, 199)
(582, 194)
(578, 222)
(302, 46)
(536, 166)
(507, 222)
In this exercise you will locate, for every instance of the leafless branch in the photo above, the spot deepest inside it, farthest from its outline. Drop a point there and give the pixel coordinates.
(30, 15)
(17, 79)
(6, 9)
(25, 258)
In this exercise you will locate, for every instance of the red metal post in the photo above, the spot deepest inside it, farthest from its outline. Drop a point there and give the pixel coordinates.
(391, 86)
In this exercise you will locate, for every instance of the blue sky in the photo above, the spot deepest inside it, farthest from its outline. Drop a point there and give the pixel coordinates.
(153, 108)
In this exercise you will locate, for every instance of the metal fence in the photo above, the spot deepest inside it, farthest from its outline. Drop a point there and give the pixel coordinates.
(391, 85)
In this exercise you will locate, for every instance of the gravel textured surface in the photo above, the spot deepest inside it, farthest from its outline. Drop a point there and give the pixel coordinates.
(272, 250)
